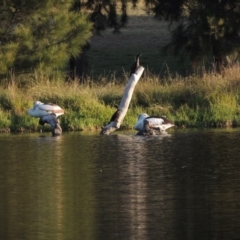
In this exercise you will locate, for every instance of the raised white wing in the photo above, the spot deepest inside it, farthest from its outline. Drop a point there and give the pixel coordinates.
(40, 109)
(160, 123)
(155, 121)
(51, 108)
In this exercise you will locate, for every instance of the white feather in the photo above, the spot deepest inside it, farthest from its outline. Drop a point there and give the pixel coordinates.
(155, 122)
(139, 125)
(40, 109)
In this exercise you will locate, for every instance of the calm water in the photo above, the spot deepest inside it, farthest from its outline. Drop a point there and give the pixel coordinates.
(182, 186)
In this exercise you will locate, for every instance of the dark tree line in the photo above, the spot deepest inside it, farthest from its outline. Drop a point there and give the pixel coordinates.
(40, 35)
(46, 34)
(104, 15)
(205, 28)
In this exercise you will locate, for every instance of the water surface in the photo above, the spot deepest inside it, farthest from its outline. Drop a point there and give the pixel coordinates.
(180, 186)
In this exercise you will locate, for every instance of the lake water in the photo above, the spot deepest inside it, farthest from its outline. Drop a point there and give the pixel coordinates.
(180, 186)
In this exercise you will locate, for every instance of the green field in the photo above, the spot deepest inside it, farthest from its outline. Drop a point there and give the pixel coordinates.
(112, 54)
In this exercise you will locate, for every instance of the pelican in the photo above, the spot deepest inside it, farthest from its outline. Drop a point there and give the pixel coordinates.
(48, 113)
(40, 109)
(152, 125)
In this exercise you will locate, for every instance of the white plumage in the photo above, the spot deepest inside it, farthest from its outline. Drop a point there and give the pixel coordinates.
(139, 125)
(152, 124)
(48, 113)
(40, 109)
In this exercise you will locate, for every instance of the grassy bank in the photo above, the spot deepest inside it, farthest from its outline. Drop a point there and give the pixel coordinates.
(210, 100)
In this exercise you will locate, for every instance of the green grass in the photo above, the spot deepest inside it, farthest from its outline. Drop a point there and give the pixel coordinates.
(209, 100)
(112, 54)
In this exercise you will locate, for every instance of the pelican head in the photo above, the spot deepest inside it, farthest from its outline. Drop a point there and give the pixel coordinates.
(139, 125)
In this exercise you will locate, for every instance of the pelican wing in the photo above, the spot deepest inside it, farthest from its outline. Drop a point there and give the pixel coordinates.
(51, 108)
(155, 121)
(152, 125)
(41, 109)
(161, 123)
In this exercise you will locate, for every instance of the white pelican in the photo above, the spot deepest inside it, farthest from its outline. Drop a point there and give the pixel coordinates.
(48, 113)
(152, 125)
(40, 109)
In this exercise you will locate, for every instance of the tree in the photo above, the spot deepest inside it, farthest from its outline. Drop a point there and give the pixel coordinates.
(40, 34)
(103, 14)
(205, 28)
